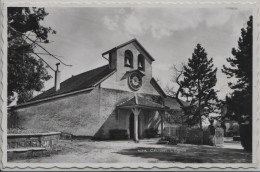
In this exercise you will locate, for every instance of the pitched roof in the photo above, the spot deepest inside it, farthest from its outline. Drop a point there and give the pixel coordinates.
(173, 103)
(141, 102)
(128, 42)
(79, 82)
(157, 87)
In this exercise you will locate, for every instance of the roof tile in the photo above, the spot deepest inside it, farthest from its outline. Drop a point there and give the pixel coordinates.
(78, 82)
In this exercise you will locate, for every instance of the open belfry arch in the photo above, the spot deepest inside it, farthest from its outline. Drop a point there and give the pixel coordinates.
(101, 100)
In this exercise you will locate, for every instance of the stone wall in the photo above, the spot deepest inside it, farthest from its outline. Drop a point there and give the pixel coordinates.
(21, 146)
(119, 118)
(45, 140)
(184, 134)
(85, 114)
(77, 114)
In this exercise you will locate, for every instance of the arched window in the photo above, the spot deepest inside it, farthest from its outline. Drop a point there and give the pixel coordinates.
(128, 58)
(141, 61)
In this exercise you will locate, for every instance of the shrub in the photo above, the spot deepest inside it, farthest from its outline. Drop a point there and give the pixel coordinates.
(66, 136)
(233, 131)
(195, 136)
(246, 136)
(116, 134)
(172, 140)
(182, 134)
(206, 137)
(151, 132)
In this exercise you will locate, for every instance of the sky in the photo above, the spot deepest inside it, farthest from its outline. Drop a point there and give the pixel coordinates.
(168, 34)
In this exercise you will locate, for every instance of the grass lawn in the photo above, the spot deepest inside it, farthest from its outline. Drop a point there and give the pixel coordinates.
(147, 151)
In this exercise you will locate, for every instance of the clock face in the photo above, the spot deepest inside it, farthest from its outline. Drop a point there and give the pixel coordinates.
(135, 81)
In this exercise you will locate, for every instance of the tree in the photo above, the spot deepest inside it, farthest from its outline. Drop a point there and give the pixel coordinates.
(240, 101)
(199, 78)
(26, 68)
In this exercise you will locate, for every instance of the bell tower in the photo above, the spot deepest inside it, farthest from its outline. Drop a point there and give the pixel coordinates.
(129, 56)
(133, 68)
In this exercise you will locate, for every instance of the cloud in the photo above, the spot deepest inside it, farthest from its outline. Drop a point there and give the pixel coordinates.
(111, 24)
(158, 22)
(162, 22)
(134, 25)
(168, 34)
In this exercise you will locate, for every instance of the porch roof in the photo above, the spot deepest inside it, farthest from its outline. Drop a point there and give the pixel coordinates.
(140, 102)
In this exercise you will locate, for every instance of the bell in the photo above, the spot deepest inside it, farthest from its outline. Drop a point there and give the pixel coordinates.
(128, 62)
(140, 65)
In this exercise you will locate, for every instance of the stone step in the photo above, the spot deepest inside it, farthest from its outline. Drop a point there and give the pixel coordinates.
(163, 142)
(25, 153)
(26, 149)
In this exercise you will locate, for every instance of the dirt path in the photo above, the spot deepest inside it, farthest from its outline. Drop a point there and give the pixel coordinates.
(146, 152)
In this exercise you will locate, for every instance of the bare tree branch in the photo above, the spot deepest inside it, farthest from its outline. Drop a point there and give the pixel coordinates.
(177, 80)
(39, 46)
(43, 61)
(169, 91)
(43, 54)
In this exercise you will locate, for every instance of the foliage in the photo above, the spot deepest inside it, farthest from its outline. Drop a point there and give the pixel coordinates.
(233, 131)
(175, 116)
(26, 69)
(211, 129)
(118, 134)
(240, 101)
(207, 137)
(151, 132)
(172, 140)
(199, 78)
(246, 136)
(194, 136)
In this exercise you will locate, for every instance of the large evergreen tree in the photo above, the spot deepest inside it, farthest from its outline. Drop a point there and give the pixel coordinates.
(199, 78)
(240, 101)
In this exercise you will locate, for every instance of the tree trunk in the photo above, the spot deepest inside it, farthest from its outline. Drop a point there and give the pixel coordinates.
(178, 91)
(199, 104)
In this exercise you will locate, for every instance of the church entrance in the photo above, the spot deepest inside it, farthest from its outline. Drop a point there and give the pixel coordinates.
(131, 126)
(138, 121)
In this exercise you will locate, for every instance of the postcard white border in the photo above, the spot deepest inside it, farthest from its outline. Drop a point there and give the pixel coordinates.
(130, 166)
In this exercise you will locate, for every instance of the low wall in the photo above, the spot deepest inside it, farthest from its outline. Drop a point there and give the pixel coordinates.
(31, 145)
(194, 135)
(185, 134)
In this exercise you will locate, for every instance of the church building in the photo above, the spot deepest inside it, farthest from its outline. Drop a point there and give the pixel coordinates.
(122, 95)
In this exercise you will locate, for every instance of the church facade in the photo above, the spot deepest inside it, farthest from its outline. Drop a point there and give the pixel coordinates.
(121, 95)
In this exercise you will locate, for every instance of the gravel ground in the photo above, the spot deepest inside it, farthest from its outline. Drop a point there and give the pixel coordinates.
(146, 151)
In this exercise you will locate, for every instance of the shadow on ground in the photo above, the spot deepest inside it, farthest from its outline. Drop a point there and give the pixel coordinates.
(190, 154)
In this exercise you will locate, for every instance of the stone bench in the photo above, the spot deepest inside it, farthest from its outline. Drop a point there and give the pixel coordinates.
(20, 146)
(21, 153)
(46, 140)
